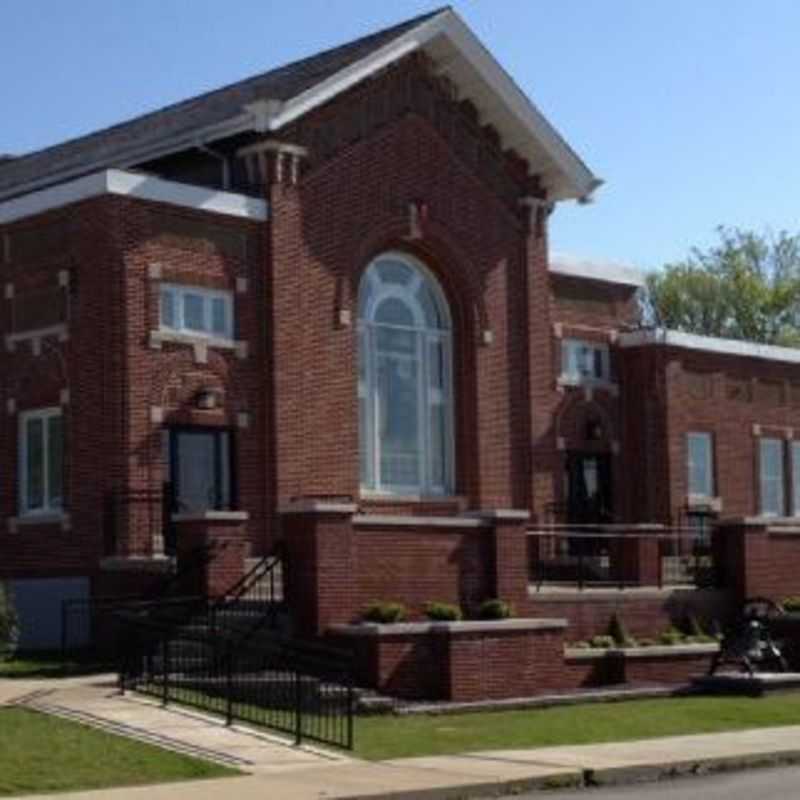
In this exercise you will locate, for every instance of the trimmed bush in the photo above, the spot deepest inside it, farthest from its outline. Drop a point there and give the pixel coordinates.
(442, 612)
(671, 636)
(791, 604)
(9, 624)
(385, 613)
(602, 642)
(646, 643)
(495, 609)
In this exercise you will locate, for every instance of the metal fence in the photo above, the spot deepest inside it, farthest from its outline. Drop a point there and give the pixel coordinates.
(297, 688)
(619, 556)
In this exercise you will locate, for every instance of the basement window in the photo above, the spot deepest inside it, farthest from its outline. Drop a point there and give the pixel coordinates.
(196, 311)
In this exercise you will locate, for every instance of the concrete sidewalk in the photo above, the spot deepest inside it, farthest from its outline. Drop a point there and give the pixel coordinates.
(275, 769)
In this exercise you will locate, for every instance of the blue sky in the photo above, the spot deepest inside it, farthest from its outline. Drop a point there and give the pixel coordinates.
(689, 109)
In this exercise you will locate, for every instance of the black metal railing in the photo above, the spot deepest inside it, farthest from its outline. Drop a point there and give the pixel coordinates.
(297, 688)
(255, 602)
(88, 625)
(619, 556)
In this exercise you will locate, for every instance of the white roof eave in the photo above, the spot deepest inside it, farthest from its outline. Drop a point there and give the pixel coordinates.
(709, 344)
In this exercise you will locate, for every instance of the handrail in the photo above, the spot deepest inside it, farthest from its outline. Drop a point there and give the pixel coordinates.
(290, 686)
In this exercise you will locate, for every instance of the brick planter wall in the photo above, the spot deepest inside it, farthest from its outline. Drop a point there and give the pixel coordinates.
(458, 661)
(664, 665)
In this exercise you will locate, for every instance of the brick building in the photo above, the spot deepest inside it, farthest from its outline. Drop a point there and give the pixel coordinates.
(317, 307)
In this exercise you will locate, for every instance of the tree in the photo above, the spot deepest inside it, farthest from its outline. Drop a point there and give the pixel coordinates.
(745, 287)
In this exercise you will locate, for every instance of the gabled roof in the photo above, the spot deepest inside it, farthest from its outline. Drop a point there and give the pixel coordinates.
(275, 98)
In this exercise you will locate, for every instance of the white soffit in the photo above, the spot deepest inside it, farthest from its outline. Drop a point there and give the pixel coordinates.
(462, 57)
(606, 271)
(709, 344)
(131, 184)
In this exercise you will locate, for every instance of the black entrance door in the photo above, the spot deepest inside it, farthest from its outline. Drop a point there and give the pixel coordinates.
(589, 497)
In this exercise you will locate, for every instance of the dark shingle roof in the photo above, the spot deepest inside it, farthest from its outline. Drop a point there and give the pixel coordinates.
(108, 147)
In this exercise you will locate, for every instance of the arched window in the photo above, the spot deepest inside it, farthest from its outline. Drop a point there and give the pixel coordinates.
(405, 379)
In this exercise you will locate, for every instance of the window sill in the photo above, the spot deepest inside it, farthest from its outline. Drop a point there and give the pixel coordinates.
(61, 332)
(211, 516)
(571, 381)
(157, 337)
(703, 502)
(40, 518)
(388, 497)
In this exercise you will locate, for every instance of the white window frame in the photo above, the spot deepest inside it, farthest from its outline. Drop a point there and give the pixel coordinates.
(764, 479)
(428, 395)
(179, 292)
(708, 462)
(573, 351)
(49, 507)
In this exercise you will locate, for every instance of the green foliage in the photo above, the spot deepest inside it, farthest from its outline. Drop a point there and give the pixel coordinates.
(791, 604)
(442, 612)
(646, 642)
(9, 624)
(671, 636)
(580, 646)
(495, 609)
(602, 642)
(619, 633)
(745, 287)
(385, 612)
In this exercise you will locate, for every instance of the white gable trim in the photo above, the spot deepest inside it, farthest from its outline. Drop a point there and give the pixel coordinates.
(608, 272)
(578, 183)
(709, 344)
(131, 184)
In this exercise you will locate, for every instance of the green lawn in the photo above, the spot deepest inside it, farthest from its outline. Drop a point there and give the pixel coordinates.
(43, 664)
(400, 737)
(39, 753)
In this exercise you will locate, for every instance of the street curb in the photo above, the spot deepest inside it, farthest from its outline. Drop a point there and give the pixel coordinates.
(650, 773)
(565, 779)
(588, 778)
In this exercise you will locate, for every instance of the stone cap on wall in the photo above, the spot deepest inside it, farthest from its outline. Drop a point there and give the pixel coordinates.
(463, 626)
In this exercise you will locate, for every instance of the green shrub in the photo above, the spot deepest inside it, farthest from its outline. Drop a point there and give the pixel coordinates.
(9, 624)
(384, 612)
(442, 612)
(579, 646)
(791, 604)
(495, 609)
(671, 636)
(647, 642)
(619, 633)
(602, 642)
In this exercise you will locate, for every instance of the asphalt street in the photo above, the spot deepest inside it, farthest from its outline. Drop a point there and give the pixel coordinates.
(757, 784)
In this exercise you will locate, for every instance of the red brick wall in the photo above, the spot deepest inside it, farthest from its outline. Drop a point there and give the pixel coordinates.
(416, 566)
(689, 391)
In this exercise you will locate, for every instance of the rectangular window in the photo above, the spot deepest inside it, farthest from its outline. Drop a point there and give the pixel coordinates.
(700, 453)
(41, 461)
(796, 479)
(771, 477)
(200, 470)
(584, 362)
(199, 312)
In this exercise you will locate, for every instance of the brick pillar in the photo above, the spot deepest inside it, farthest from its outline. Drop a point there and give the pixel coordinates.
(510, 555)
(741, 550)
(226, 531)
(320, 565)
